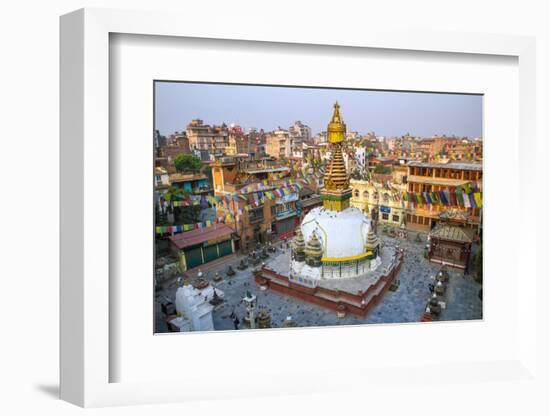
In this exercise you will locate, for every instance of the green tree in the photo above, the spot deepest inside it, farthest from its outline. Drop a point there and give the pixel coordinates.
(187, 163)
(382, 169)
(186, 215)
(174, 194)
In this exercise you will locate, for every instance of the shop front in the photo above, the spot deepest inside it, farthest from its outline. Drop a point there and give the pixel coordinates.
(197, 247)
(450, 245)
(286, 218)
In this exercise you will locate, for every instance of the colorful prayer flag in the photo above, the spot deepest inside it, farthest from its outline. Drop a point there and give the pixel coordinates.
(477, 197)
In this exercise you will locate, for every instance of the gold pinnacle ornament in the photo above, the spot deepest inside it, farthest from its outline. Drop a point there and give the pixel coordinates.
(336, 128)
(336, 191)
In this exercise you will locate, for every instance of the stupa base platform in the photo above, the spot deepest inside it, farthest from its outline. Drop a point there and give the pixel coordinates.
(358, 301)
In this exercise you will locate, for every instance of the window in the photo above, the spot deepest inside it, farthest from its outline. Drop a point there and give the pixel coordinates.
(366, 194)
(385, 216)
(356, 193)
(256, 215)
(385, 198)
(395, 218)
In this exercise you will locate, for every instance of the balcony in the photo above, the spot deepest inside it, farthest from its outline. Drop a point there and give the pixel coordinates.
(202, 189)
(256, 219)
(281, 215)
(256, 215)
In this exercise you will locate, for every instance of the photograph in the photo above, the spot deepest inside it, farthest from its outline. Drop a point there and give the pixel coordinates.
(288, 206)
(274, 209)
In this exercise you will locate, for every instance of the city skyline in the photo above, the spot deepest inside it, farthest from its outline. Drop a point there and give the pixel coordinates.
(387, 113)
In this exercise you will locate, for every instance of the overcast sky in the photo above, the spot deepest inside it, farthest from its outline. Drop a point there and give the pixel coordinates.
(384, 112)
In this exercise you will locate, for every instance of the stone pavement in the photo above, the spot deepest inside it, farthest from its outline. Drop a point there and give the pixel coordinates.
(404, 305)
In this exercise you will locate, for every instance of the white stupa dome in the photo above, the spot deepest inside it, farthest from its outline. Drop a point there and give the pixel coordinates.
(342, 234)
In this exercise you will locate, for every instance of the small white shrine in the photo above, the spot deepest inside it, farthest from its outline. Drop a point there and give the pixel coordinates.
(193, 304)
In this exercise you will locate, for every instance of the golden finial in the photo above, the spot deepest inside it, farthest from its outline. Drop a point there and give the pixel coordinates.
(336, 129)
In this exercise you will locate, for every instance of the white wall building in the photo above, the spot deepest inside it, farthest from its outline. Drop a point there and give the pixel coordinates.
(193, 305)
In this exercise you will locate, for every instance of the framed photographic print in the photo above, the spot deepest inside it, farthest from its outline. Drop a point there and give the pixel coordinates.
(271, 227)
(282, 213)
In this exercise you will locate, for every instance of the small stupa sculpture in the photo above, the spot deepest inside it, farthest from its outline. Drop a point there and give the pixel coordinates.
(250, 307)
(402, 232)
(216, 300)
(313, 251)
(298, 246)
(264, 319)
(289, 322)
(372, 245)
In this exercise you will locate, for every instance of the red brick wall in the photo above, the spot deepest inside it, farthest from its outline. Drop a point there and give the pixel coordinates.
(342, 299)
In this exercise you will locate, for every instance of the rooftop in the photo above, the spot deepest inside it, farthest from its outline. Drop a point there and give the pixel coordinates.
(267, 169)
(200, 235)
(186, 177)
(453, 233)
(313, 200)
(437, 181)
(450, 165)
(306, 191)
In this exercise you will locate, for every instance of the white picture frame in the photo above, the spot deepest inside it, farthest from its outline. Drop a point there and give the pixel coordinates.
(86, 301)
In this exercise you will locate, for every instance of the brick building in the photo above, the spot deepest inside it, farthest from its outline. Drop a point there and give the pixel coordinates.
(265, 219)
(430, 177)
(277, 144)
(213, 139)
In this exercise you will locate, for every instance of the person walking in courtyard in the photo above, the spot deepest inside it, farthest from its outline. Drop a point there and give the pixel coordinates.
(235, 319)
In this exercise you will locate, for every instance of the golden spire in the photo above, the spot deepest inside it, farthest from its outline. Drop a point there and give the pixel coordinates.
(336, 176)
(336, 129)
(336, 191)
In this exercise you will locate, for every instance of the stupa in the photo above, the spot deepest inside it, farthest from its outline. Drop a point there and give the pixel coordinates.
(336, 260)
(340, 241)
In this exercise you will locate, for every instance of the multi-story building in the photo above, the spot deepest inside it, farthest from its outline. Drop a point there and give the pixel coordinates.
(213, 139)
(311, 152)
(238, 142)
(171, 147)
(399, 173)
(361, 157)
(464, 150)
(320, 138)
(256, 142)
(382, 201)
(158, 139)
(194, 183)
(433, 177)
(299, 133)
(429, 148)
(392, 143)
(277, 144)
(308, 200)
(265, 219)
(162, 178)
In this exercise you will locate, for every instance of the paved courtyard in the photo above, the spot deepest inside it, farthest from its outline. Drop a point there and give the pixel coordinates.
(406, 304)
